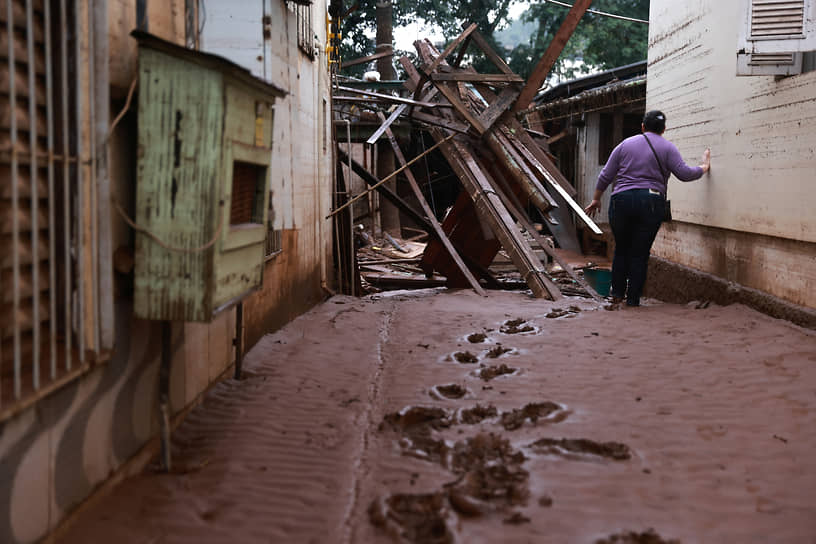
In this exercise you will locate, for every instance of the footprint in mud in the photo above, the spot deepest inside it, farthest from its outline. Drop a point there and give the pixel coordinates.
(416, 425)
(465, 357)
(498, 351)
(516, 326)
(476, 338)
(488, 373)
(549, 411)
(631, 537)
(572, 311)
(449, 391)
(414, 518)
(578, 448)
(477, 414)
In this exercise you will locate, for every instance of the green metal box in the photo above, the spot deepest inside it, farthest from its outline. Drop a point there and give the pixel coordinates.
(202, 193)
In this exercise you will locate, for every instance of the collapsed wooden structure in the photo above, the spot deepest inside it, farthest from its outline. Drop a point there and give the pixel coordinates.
(471, 116)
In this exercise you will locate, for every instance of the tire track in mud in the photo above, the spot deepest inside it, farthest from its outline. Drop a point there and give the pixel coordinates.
(362, 465)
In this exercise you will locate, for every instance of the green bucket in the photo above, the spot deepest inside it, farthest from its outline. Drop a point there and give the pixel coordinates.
(600, 279)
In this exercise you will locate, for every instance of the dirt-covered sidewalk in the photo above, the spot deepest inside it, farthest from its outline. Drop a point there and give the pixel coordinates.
(440, 416)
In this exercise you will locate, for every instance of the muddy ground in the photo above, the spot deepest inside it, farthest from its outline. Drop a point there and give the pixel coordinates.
(439, 416)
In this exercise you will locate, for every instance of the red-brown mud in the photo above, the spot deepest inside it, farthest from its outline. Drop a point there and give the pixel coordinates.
(716, 407)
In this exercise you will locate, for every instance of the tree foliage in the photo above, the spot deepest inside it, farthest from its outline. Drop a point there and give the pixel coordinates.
(600, 42)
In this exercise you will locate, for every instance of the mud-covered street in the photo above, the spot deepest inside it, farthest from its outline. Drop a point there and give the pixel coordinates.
(439, 416)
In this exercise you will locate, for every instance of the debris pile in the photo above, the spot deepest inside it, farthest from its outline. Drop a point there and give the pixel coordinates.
(502, 169)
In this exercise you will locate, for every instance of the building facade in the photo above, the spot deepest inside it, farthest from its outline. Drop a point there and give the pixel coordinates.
(751, 220)
(79, 374)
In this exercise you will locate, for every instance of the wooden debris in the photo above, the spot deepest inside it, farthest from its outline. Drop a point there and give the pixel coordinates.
(500, 165)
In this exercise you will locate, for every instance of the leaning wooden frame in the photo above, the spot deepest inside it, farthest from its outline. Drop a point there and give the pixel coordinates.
(500, 166)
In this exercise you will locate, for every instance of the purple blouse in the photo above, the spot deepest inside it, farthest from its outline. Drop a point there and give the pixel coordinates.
(632, 165)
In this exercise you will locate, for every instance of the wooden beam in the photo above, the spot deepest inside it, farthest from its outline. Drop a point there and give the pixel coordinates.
(497, 61)
(542, 69)
(388, 98)
(498, 107)
(387, 123)
(491, 210)
(460, 107)
(369, 58)
(442, 56)
(440, 122)
(409, 210)
(521, 217)
(481, 78)
(429, 212)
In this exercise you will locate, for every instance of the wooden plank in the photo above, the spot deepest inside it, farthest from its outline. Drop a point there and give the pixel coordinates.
(441, 57)
(387, 123)
(521, 217)
(481, 78)
(521, 173)
(460, 107)
(542, 69)
(498, 107)
(388, 98)
(429, 212)
(409, 210)
(497, 61)
(363, 60)
(515, 208)
(545, 173)
(440, 122)
(449, 49)
(515, 129)
(492, 210)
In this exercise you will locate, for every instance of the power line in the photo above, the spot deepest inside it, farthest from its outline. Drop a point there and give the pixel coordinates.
(596, 12)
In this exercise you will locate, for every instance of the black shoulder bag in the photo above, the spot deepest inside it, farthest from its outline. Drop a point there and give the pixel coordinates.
(667, 208)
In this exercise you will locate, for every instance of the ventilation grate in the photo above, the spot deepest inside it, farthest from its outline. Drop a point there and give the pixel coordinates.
(777, 18)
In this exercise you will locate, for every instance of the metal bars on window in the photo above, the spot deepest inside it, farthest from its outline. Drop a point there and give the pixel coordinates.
(305, 34)
(43, 210)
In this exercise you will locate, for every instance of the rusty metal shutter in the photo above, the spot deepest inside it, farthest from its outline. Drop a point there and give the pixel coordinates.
(777, 18)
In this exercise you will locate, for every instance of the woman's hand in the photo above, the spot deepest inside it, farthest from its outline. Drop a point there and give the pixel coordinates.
(706, 165)
(593, 207)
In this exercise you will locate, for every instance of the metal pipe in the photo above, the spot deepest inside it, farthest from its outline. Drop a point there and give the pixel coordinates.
(80, 211)
(104, 252)
(92, 204)
(52, 242)
(15, 204)
(66, 184)
(352, 271)
(164, 392)
(34, 199)
(238, 341)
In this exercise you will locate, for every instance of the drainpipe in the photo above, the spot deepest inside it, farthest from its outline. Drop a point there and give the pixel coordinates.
(141, 15)
(238, 341)
(164, 392)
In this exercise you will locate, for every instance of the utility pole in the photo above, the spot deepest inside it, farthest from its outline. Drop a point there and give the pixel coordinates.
(389, 214)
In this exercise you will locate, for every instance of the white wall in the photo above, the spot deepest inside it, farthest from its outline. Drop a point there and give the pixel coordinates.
(760, 130)
(751, 220)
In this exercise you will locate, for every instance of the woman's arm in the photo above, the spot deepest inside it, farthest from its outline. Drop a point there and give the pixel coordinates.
(683, 171)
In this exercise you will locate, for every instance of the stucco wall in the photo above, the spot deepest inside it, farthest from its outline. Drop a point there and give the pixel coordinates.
(760, 130)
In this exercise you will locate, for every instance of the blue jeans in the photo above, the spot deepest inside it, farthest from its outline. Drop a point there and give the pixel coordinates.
(635, 218)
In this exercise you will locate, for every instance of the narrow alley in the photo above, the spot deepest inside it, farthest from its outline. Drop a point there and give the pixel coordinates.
(447, 419)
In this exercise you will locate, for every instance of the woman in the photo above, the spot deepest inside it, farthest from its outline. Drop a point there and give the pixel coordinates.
(639, 168)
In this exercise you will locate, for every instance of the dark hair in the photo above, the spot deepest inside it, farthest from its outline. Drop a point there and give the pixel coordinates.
(655, 121)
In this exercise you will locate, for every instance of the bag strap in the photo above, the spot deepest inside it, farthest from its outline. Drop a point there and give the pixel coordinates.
(659, 164)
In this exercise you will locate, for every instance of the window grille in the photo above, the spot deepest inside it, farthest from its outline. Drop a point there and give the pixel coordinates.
(305, 35)
(49, 303)
(274, 241)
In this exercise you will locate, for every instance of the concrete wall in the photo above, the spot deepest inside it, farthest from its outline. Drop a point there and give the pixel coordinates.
(751, 220)
(104, 425)
(301, 153)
